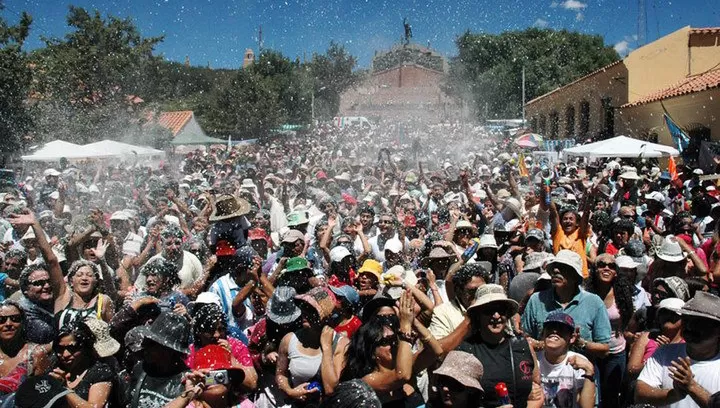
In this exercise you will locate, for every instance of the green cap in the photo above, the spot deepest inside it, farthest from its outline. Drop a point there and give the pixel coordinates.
(296, 264)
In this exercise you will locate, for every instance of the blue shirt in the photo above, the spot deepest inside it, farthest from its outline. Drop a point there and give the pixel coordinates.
(587, 309)
(3, 277)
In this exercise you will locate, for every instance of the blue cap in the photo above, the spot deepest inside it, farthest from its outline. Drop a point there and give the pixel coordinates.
(560, 317)
(348, 292)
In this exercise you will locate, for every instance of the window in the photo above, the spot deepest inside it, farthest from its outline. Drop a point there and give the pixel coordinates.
(608, 130)
(554, 124)
(542, 125)
(584, 119)
(570, 122)
(533, 124)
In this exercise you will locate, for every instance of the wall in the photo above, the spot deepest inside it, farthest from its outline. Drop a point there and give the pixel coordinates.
(704, 51)
(658, 65)
(607, 83)
(696, 108)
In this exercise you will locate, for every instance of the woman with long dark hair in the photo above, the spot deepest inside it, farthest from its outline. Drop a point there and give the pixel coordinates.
(616, 292)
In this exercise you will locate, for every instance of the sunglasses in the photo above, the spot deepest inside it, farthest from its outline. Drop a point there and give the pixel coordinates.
(70, 348)
(40, 282)
(385, 222)
(491, 309)
(601, 264)
(387, 341)
(16, 318)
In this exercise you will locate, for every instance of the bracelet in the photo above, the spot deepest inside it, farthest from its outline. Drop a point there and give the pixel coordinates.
(408, 338)
(589, 377)
(186, 394)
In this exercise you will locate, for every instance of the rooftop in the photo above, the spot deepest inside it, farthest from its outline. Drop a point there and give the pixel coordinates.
(174, 121)
(692, 84)
(582, 78)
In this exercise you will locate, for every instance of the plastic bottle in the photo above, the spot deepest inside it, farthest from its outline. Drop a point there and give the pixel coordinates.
(501, 390)
(470, 251)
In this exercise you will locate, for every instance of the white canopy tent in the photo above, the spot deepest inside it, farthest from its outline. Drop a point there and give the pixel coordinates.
(622, 147)
(57, 149)
(111, 148)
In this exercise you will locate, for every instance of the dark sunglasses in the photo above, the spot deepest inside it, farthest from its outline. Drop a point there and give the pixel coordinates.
(387, 341)
(71, 348)
(601, 264)
(16, 318)
(40, 282)
(491, 309)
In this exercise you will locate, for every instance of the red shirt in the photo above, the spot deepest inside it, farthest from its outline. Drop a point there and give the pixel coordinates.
(350, 327)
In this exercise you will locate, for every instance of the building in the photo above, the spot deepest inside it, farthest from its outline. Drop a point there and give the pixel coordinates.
(680, 71)
(180, 123)
(405, 84)
(248, 58)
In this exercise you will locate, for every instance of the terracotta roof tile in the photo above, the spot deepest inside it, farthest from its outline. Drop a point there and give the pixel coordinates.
(697, 83)
(705, 30)
(174, 121)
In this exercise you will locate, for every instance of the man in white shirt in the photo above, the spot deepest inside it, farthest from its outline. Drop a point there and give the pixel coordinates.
(685, 375)
(190, 270)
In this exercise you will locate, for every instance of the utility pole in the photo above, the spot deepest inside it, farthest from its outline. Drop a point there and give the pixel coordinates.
(523, 94)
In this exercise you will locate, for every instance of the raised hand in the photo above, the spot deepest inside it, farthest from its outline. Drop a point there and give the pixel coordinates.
(100, 248)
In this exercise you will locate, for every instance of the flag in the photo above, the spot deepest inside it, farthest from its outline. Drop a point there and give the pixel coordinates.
(522, 167)
(672, 168)
(678, 135)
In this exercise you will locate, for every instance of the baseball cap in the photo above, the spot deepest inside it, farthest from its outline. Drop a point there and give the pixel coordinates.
(338, 253)
(560, 317)
(535, 234)
(393, 245)
(292, 236)
(656, 196)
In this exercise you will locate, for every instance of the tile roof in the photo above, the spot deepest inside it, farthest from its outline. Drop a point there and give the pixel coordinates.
(174, 121)
(597, 71)
(696, 83)
(705, 30)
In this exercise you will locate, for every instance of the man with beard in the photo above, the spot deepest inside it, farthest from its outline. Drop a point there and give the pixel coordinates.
(686, 374)
(188, 266)
(587, 309)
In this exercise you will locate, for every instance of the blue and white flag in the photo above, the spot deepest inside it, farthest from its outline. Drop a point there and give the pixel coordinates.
(679, 137)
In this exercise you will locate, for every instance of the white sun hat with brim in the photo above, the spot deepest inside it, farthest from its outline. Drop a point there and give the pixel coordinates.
(393, 245)
(492, 293)
(630, 175)
(626, 262)
(567, 258)
(670, 250)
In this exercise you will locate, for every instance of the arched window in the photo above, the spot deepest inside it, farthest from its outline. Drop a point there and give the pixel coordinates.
(584, 119)
(570, 122)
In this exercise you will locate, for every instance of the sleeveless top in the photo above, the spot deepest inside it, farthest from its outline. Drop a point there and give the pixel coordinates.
(302, 367)
(70, 314)
(10, 382)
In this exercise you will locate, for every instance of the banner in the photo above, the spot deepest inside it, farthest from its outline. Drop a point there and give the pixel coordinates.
(679, 137)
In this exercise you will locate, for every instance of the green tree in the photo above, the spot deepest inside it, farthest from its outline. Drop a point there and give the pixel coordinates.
(85, 79)
(15, 79)
(332, 73)
(486, 73)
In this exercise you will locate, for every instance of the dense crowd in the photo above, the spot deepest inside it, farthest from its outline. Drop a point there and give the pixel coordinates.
(435, 267)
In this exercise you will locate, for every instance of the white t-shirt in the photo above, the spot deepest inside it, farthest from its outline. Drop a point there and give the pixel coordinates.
(561, 382)
(656, 372)
(190, 272)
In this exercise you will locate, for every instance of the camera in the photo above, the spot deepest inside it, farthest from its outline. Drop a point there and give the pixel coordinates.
(216, 377)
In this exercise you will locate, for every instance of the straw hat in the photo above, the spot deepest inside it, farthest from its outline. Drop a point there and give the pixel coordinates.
(462, 367)
(227, 207)
(492, 293)
(436, 253)
(105, 345)
(670, 250)
(514, 205)
(705, 305)
(567, 258)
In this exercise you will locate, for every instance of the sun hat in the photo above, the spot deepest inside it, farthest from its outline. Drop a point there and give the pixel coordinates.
(630, 174)
(675, 285)
(41, 391)
(372, 267)
(321, 299)
(626, 262)
(248, 183)
(703, 304)
(169, 330)
(462, 367)
(228, 206)
(344, 176)
(297, 263)
(347, 292)
(397, 274)
(464, 224)
(698, 172)
(521, 284)
(120, 216)
(514, 205)
(503, 194)
(293, 236)
(536, 260)
(656, 196)
(281, 307)
(393, 245)
(487, 241)
(671, 304)
(492, 293)
(339, 253)
(535, 233)
(436, 253)
(352, 394)
(296, 218)
(567, 258)
(560, 317)
(105, 345)
(203, 298)
(671, 251)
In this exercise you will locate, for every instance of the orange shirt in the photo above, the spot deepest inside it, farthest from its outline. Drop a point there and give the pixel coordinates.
(574, 242)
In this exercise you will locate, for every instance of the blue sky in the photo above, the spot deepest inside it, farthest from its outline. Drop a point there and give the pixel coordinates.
(218, 31)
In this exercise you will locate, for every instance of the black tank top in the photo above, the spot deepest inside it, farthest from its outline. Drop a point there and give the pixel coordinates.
(497, 368)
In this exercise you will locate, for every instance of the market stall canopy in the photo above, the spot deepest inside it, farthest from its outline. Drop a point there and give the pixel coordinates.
(111, 148)
(196, 139)
(57, 149)
(622, 147)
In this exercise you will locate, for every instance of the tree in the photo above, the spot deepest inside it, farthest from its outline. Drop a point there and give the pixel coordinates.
(86, 78)
(15, 79)
(486, 74)
(332, 74)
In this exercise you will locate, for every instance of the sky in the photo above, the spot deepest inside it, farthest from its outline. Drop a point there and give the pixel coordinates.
(217, 32)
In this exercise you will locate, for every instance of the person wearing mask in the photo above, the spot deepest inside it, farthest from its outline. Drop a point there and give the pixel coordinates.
(686, 374)
(566, 294)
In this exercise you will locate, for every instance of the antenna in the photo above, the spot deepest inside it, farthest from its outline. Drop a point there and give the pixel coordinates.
(642, 23)
(260, 41)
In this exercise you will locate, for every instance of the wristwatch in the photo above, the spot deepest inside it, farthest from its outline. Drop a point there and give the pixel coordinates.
(589, 377)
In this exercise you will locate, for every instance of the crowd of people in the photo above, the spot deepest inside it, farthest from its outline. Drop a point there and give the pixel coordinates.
(357, 268)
